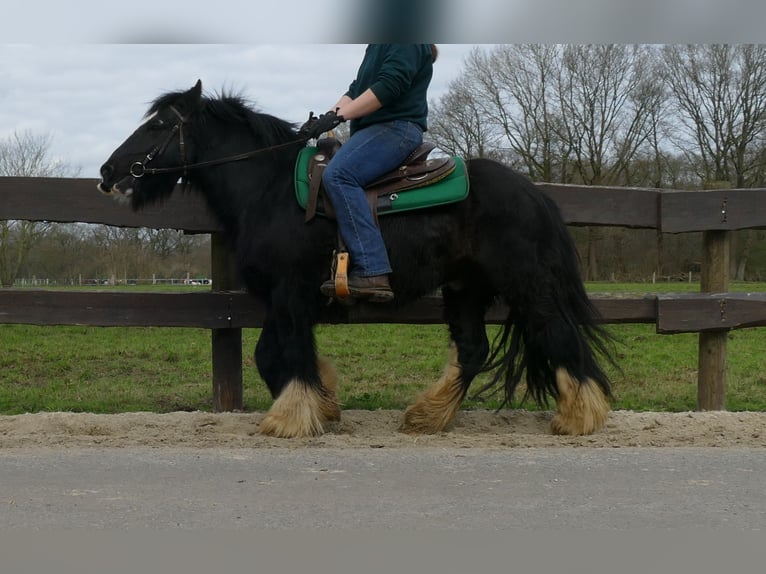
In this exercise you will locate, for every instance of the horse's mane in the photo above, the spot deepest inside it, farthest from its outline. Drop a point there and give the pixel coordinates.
(233, 108)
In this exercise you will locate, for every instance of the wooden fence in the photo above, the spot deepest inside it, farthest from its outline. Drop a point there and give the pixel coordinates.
(225, 310)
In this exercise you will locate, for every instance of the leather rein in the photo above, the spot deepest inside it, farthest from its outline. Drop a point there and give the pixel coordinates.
(138, 169)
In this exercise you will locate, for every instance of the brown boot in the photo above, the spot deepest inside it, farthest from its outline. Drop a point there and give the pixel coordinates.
(328, 288)
(374, 289)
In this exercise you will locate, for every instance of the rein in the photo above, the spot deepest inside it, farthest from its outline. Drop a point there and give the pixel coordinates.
(138, 169)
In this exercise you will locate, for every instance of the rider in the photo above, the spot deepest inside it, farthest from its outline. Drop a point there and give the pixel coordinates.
(388, 108)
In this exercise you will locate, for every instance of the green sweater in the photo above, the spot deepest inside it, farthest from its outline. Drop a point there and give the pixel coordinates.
(399, 75)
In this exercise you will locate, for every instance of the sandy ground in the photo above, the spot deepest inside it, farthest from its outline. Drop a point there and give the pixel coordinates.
(378, 429)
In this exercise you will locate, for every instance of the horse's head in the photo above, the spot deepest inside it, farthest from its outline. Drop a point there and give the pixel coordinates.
(147, 165)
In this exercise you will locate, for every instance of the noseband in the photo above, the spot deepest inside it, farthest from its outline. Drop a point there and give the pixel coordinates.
(138, 169)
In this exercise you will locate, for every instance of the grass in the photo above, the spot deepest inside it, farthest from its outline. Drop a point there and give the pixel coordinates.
(670, 287)
(109, 370)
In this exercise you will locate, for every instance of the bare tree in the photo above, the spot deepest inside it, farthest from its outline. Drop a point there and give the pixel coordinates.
(25, 154)
(123, 251)
(174, 249)
(572, 113)
(456, 124)
(720, 96)
(604, 92)
(654, 116)
(511, 91)
(522, 90)
(749, 121)
(164, 243)
(60, 256)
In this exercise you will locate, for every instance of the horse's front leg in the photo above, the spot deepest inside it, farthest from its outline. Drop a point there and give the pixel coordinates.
(303, 385)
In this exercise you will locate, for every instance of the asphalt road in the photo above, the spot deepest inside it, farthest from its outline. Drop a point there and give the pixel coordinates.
(411, 489)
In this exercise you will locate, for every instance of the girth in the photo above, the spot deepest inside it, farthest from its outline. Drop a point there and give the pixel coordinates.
(417, 170)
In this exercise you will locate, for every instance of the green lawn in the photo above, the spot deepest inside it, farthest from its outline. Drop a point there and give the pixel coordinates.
(108, 370)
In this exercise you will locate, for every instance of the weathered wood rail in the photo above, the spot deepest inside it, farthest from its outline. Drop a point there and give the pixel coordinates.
(226, 311)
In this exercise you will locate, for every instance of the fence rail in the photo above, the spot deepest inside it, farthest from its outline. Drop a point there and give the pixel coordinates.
(226, 311)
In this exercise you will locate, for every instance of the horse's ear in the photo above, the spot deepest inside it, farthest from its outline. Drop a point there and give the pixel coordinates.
(195, 94)
(192, 100)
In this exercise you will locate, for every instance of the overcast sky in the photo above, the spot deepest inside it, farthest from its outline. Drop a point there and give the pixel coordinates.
(89, 98)
(84, 71)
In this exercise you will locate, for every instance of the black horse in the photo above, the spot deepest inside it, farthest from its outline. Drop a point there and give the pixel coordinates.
(507, 241)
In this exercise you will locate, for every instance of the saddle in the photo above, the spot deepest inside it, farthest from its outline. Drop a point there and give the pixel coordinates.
(396, 191)
(418, 170)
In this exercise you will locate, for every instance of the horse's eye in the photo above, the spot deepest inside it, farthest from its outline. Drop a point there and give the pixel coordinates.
(157, 124)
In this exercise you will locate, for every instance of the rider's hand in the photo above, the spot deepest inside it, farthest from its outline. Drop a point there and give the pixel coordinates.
(316, 126)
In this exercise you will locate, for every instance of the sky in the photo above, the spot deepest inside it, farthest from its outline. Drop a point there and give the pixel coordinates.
(89, 98)
(84, 71)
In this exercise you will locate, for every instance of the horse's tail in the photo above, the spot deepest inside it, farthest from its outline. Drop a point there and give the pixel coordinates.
(551, 323)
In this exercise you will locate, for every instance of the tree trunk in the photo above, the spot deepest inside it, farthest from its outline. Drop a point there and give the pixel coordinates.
(594, 235)
(744, 254)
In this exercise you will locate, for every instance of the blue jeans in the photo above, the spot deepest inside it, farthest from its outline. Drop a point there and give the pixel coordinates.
(369, 153)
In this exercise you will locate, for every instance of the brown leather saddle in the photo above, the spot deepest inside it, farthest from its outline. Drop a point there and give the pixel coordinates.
(418, 170)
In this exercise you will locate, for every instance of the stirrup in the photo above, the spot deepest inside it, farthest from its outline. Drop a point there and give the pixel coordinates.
(337, 286)
(341, 275)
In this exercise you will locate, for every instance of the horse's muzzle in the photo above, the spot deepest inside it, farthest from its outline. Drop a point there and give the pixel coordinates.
(122, 188)
(108, 185)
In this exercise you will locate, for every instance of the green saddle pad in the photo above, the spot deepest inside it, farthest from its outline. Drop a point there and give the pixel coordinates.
(451, 189)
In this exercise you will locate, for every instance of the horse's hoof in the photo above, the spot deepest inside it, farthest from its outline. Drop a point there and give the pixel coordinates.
(417, 420)
(437, 407)
(562, 426)
(299, 412)
(331, 413)
(582, 406)
(282, 427)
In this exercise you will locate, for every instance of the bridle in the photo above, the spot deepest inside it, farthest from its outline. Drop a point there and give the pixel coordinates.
(138, 169)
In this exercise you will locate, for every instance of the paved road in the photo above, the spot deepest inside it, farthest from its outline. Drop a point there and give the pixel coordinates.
(442, 489)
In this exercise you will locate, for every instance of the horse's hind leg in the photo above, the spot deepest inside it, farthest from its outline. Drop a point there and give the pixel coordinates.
(437, 407)
(303, 385)
(582, 407)
(558, 350)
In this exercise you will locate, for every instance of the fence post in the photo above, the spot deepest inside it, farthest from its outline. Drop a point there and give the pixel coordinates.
(226, 343)
(711, 376)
